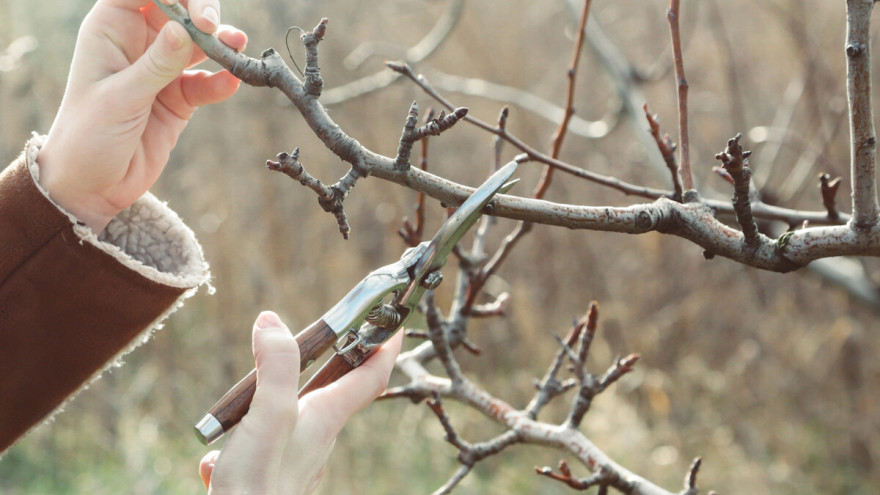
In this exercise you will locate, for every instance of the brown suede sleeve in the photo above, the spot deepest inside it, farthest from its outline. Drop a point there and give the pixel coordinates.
(67, 305)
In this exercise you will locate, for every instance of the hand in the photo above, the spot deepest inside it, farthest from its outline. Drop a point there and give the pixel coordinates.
(282, 443)
(127, 100)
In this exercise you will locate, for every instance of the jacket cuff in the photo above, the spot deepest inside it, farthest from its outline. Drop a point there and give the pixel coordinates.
(148, 237)
(71, 302)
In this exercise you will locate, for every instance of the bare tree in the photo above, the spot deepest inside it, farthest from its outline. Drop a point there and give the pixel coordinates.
(728, 229)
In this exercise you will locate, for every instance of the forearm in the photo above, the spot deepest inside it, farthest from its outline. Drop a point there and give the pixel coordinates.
(70, 303)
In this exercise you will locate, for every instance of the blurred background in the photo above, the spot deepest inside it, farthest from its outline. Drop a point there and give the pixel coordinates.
(768, 377)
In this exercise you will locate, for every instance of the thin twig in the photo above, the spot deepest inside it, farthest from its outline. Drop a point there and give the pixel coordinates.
(565, 476)
(550, 386)
(667, 151)
(690, 479)
(562, 129)
(685, 168)
(829, 193)
(533, 154)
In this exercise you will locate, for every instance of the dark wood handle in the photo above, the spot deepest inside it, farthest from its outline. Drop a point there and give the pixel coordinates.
(313, 342)
(335, 368)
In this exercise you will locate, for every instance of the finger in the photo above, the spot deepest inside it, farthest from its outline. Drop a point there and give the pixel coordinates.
(162, 62)
(131, 4)
(232, 37)
(254, 448)
(206, 467)
(351, 393)
(228, 35)
(277, 357)
(205, 14)
(197, 88)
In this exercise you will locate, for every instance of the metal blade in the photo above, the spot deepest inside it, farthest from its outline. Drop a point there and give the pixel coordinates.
(461, 221)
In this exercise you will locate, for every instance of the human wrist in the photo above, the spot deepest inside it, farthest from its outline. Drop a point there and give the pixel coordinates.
(86, 207)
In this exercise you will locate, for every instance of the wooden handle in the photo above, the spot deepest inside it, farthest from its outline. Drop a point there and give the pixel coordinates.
(228, 411)
(335, 368)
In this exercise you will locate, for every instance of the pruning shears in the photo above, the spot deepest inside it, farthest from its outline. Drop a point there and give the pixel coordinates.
(374, 310)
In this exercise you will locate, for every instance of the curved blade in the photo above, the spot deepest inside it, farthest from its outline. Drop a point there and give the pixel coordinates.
(461, 221)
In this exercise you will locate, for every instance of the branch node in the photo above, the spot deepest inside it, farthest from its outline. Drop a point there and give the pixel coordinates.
(404, 148)
(330, 198)
(735, 162)
(313, 81)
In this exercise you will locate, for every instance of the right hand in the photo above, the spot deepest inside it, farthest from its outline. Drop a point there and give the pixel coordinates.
(282, 443)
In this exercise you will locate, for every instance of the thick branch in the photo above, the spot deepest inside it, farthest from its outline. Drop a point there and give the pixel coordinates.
(694, 220)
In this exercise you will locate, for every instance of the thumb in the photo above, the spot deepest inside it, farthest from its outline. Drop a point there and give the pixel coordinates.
(206, 466)
(161, 63)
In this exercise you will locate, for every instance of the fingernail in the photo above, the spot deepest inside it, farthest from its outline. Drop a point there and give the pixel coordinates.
(268, 319)
(179, 36)
(211, 15)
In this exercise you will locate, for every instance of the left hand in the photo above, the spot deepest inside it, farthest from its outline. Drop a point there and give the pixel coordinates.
(128, 98)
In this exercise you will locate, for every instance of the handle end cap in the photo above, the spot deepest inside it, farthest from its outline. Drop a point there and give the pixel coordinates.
(208, 429)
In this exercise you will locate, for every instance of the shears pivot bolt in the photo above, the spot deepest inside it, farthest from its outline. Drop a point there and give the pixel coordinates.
(384, 316)
(432, 280)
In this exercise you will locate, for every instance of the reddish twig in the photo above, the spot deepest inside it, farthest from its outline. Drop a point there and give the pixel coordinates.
(829, 192)
(569, 479)
(672, 14)
(562, 129)
(667, 151)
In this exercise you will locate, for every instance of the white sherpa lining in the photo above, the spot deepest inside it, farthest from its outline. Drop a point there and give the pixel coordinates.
(148, 238)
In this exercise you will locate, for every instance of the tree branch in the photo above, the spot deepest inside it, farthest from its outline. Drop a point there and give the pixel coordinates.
(861, 124)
